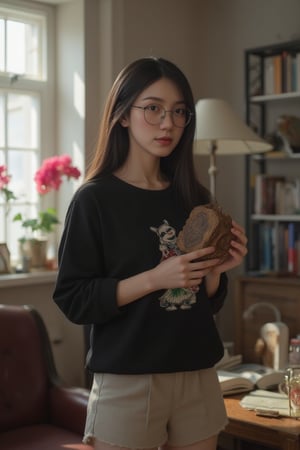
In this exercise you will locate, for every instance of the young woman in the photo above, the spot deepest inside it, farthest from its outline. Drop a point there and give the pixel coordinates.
(154, 341)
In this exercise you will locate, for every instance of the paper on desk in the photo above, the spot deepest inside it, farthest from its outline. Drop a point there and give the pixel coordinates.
(261, 399)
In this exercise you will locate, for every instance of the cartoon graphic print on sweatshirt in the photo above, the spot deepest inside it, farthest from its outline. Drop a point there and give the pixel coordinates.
(175, 298)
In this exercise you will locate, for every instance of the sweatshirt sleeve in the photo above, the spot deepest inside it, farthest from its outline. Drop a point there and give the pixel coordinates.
(217, 301)
(83, 292)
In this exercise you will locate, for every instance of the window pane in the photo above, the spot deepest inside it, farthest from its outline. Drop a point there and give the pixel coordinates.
(2, 126)
(2, 46)
(22, 120)
(15, 44)
(22, 166)
(22, 48)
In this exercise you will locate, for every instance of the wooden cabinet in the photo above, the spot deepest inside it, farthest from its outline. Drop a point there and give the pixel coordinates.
(67, 339)
(283, 293)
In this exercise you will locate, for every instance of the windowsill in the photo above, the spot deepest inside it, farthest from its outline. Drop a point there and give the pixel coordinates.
(31, 278)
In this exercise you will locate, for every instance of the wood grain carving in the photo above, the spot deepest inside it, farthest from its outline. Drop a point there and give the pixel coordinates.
(207, 225)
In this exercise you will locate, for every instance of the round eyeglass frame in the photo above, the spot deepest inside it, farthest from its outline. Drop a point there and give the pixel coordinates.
(165, 111)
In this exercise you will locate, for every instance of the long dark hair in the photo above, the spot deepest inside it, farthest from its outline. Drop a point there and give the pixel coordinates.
(113, 142)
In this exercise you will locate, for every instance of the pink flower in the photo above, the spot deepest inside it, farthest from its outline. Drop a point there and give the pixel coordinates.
(49, 176)
(4, 178)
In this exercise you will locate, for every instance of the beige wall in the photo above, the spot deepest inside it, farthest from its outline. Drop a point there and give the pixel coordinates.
(206, 38)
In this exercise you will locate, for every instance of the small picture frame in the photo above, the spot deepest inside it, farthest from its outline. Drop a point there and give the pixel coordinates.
(4, 259)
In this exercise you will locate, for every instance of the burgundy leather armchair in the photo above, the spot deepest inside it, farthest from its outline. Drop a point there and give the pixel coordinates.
(36, 411)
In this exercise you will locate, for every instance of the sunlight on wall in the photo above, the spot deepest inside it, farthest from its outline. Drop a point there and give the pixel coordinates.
(79, 95)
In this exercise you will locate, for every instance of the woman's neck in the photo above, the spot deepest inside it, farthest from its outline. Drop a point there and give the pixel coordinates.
(152, 179)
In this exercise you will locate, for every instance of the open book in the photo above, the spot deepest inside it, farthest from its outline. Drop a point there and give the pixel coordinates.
(247, 377)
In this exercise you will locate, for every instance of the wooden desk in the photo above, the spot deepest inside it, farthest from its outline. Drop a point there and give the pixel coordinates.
(254, 432)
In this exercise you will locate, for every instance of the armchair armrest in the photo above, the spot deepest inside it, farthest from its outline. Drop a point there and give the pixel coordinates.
(68, 407)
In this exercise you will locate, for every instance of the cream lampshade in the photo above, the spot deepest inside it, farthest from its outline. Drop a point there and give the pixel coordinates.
(220, 131)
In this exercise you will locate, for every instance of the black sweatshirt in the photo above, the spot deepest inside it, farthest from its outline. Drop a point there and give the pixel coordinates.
(114, 230)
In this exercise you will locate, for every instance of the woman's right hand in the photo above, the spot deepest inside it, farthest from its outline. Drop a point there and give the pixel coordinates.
(182, 271)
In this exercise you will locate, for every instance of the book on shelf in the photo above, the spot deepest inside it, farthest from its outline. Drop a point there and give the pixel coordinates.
(269, 75)
(281, 73)
(294, 70)
(292, 249)
(266, 247)
(286, 59)
(297, 72)
(266, 193)
(281, 248)
(287, 196)
(248, 377)
(277, 247)
(273, 194)
(277, 74)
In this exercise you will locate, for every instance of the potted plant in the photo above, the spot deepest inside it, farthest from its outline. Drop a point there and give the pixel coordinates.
(33, 245)
(34, 248)
(43, 224)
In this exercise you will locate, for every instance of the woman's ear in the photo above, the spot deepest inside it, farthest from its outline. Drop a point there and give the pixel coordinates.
(124, 122)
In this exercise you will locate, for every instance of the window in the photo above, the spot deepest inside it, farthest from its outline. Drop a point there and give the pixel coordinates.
(21, 46)
(24, 89)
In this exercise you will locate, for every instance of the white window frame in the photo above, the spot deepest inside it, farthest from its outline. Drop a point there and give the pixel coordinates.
(44, 88)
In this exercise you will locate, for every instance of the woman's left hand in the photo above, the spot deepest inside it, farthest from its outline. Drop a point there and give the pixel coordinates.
(237, 252)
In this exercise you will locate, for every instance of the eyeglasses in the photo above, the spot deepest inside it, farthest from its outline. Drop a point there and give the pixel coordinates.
(155, 114)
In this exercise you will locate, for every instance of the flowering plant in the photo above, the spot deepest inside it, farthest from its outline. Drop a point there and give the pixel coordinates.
(4, 181)
(49, 177)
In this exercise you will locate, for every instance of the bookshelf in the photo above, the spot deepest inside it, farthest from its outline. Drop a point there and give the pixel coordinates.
(272, 90)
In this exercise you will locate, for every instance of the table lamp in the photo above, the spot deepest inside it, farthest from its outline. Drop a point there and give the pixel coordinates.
(220, 130)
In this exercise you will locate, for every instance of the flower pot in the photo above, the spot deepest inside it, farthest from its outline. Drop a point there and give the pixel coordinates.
(35, 252)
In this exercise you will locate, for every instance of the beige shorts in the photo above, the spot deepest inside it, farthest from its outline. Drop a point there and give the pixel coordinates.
(147, 411)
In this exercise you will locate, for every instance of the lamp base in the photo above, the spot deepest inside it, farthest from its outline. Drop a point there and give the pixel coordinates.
(212, 171)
